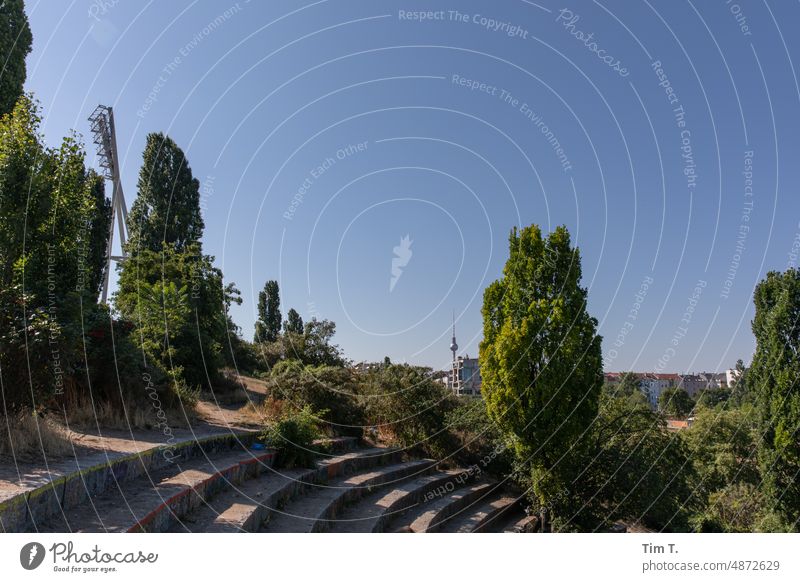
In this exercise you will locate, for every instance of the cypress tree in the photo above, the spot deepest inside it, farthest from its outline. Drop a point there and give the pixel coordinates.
(15, 44)
(167, 207)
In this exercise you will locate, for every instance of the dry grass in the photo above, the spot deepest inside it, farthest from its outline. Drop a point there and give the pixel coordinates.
(139, 416)
(32, 435)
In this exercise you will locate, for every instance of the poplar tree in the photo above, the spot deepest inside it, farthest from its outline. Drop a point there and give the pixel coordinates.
(293, 323)
(268, 326)
(541, 359)
(167, 207)
(775, 378)
(15, 44)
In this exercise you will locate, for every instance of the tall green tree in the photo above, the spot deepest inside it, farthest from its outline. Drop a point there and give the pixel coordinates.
(541, 358)
(53, 230)
(15, 44)
(675, 402)
(293, 323)
(179, 304)
(167, 207)
(54, 216)
(740, 391)
(775, 377)
(268, 326)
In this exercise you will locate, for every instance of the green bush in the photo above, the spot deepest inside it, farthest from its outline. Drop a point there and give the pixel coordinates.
(479, 441)
(178, 302)
(323, 388)
(293, 436)
(736, 508)
(406, 403)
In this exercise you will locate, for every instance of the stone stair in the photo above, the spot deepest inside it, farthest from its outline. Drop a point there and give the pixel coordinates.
(244, 508)
(352, 488)
(482, 515)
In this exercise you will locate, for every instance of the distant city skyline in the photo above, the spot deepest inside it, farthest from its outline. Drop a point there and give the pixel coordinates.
(649, 129)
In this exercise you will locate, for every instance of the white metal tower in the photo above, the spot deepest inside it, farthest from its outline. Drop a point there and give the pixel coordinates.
(102, 125)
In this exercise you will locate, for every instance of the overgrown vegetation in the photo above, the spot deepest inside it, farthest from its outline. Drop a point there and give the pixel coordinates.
(292, 436)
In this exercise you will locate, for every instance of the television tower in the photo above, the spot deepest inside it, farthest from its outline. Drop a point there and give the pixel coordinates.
(105, 138)
(453, 344)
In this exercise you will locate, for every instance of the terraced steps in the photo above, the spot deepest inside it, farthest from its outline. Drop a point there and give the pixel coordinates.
(156, 500)
(518, 522)
(138, 494)
(375, 512)
(244, 507)
(480, 516)
(232, 488)
(317, 510)
(428, 518)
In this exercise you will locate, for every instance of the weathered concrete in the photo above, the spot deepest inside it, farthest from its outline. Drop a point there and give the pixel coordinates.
(23, 511)
(375, 512)
(245, 508)
(436, 512)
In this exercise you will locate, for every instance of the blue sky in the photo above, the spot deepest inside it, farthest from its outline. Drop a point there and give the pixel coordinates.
(324, 133)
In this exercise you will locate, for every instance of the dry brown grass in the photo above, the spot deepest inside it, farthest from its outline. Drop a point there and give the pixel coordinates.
(137, 416)
(32, 435)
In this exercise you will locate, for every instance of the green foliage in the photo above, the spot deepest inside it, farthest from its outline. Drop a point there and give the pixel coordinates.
(675, 403)
(736, 508)
(405, 402)
(53, 227)
(179, 304)
(628, 387)
(15, 44)
(316, 348)
(167, 208)
(711, 397)
(541, 358)
(329, 389)
(293, 323)
(740, 390)
(53, 215)
(722, 444)
(312, 347)
(26, 363)
(268, 326)
(293, 437)
(633, 470)
(479, 440)
(775, 377)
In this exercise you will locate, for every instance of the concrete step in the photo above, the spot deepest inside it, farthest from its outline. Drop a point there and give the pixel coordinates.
(315, 511)
(518, 522)
(375, 512)
(68, 485)
(481, 514)
(47, 492)
(430, 517)
(243, 508)
(155, 501)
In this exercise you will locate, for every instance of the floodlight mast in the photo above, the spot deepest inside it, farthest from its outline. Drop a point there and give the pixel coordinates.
(105, 138)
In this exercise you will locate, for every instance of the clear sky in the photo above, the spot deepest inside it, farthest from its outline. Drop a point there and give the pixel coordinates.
(664, 134)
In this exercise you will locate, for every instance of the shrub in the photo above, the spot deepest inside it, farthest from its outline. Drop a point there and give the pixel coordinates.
(479, 440)
(405, 402)
(324, 388)
(293, 436)
(736, 508)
